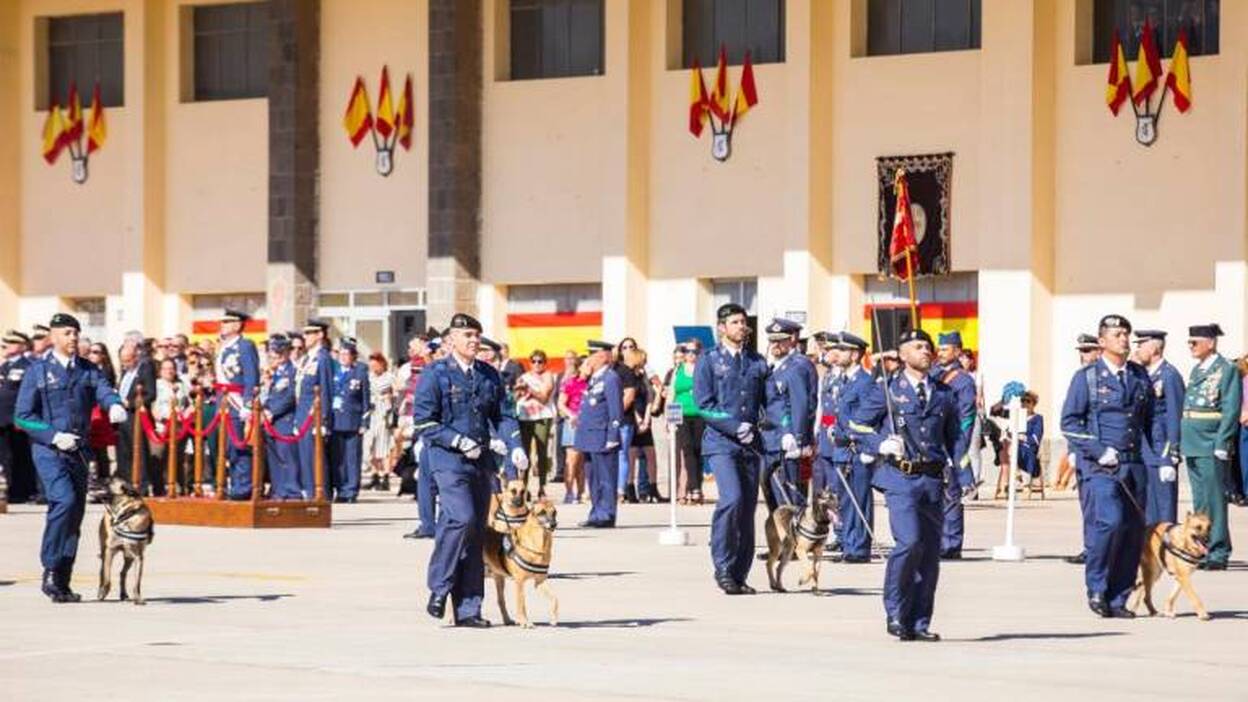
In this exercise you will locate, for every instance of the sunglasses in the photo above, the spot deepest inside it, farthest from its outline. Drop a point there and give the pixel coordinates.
(536, 361)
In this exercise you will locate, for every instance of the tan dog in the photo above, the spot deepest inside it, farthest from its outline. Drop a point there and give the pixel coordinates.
(126, 528)
(1176, 549)
(523, 555)
(804, 533)
(509, 508)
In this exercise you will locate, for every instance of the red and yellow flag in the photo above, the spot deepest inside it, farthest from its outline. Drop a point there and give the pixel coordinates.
(358, 121)
(53, 134)
(697, 100)
(1180, 79)
(73, 114)
(385, 106)
(1147, 65)
(405, 117)
(903, 245)
(97, 131)
(719, 96)
(747, 92)
(1118, 86)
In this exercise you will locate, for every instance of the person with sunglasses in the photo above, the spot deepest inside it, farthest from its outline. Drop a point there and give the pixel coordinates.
(535, 409)
(679, 389)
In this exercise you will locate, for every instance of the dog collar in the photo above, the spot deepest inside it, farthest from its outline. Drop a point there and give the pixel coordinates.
(1175, 551)
(130, 535)
(818, 533)
(508, 519)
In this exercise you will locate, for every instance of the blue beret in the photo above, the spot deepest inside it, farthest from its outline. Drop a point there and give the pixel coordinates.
(60, 319)
(952, 338)
(1115, 321)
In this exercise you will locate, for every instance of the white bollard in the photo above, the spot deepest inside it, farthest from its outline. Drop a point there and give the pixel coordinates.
(673, 535)
(1009, 551)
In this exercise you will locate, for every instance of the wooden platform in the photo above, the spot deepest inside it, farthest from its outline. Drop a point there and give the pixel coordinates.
(241, 515)
(4, 506)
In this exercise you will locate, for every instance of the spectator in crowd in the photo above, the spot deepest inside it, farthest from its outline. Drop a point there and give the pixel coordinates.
(378, 439)
(642, 456)
(1033, 437)
(172, 398)
(102, 435)
(298, 347)
(561, 457)
(507, 366)
(137, 386)
(679, 389)
(535, 408)
(572, 387)
(632, 386)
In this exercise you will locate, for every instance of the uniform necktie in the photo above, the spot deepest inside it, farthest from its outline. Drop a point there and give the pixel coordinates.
(922, 394)
(1122, 379)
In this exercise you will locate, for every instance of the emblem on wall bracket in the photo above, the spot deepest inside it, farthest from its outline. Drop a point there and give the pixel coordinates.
(716, 108)
(64, 129)
(1121, 88)
(389, 128)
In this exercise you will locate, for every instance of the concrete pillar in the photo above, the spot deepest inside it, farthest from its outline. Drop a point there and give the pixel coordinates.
(10, 164)
(294, 160)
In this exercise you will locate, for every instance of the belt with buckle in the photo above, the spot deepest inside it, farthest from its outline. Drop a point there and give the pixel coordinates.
(1201, 414)
(934, 469)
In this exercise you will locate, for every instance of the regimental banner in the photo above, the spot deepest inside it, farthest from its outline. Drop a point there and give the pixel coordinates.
(929, 178)
(555, 333)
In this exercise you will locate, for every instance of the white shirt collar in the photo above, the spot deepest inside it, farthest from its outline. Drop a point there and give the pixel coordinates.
(1209, 360)
(1112, 368)
(916, 382)
(64, 361)
(852, 371)
(465, 367)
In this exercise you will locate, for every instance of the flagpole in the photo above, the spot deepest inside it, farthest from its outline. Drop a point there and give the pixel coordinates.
(914, 307)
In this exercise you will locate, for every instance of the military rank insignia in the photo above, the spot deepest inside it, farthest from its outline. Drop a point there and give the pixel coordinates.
(389, 128)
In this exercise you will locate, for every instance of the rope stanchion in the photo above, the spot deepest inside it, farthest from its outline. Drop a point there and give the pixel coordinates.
(221, 439)
(198, 431)
(318, 460)
(257, 452)
(136, 439)
(171, 482)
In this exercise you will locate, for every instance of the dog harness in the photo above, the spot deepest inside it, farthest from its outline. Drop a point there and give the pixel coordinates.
(819, 533)
(1168, 547)
(115, 519)
(528, 566)
(509, 520)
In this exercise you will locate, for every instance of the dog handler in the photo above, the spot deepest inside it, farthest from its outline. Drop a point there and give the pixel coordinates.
(54, 406)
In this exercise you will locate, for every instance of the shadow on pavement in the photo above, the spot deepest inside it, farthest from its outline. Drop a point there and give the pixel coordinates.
(586, 576)
(215, 599)
(7, 582)
(1225, 614)
(620, 623)
(1042, 636)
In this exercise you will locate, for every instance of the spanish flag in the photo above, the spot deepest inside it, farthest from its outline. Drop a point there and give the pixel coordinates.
(1180, 79)
(719, 96)
(747, 92)
(73, 115)
(97, 132)
(405, 118)
(902, 246)
(385, 106)
(358, 120)
(697, 100)
(54, 139)
(1147, 65)
(1118, 87)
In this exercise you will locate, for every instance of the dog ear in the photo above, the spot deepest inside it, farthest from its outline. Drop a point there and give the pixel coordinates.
(528, 497)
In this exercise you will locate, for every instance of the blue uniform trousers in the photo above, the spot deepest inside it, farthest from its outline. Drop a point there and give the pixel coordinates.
(1113, 532)
(603, 467)
(913, 568)
(732, 525)
(953, 528)
(64, 480)
(283, 462)
(455, 567)
(627, 431)
(854, 538)
(347, 452)
(239, 460)
(426, 494)
(307, 467)
(780, 482)
(1162, 499)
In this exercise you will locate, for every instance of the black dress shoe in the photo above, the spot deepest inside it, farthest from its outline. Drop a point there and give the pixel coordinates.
(854, 559)
(1096, 603)
(952, 554)
(418, 534)
(52, 587)
(727, 584)
(62, 579)
(473, 623)
(1121, 613)
(895, 628)
(925, 635)
(1077, 560)
(437, 606)
(746, 589)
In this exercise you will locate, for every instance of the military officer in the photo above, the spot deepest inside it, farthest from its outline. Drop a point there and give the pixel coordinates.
(238, 377)
(598, 433)
(1107, 419)
(787, 405)
(39, 341)
(278, 400)
(54, 404)
(352, 405)
(728, 386)
(1162, 455)
(1089, 350)
(16, 468)
(457, 401)
(315, 376)
(844, 389)
(949, 370)
(909, 427)
(1211, 409)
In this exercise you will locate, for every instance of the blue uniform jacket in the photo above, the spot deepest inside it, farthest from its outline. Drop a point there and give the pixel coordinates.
(54, 399)
(1029, 446)
(842, 393)
(316, 371)
(239, 365)
(352, 401)
(728, 392)
(787, 404)
(448, 404)
(601, 414)
(932, 434)
(279, 401)
(11, 372)
(1101, 412)
(963, 385)
(1168, 394)
(811, 375)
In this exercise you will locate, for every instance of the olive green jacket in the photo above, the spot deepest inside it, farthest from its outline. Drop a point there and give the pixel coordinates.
(1211, 409)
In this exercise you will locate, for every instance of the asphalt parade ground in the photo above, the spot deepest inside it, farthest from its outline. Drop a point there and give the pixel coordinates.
(339, 615)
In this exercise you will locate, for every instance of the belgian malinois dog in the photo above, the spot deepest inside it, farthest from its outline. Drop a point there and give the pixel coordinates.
(523, 555)
(1176, 549)
(801, 531)
(126, 528)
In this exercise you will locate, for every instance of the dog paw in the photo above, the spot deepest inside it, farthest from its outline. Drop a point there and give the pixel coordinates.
(102, 593)
(1204, 616)
(1169, 615)
(140, 602)
(123, 597)
(526, 625)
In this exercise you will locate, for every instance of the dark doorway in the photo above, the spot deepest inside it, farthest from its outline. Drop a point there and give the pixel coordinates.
(404, 324)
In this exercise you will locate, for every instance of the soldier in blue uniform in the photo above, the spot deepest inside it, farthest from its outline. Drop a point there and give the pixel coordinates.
(457, 402)
(238, 378)
(845, 386)
(1107, 419)
(278, 400)
(1162, 454)
(949, 371)
(15, 465)
(728, 387)
(54, 404)
(1089, 350)
(911, 436)
(315, 376)
(786, 426)
(598, 433)
(352, 405)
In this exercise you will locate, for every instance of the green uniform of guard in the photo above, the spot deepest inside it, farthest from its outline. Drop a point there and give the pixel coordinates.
(1207, 436)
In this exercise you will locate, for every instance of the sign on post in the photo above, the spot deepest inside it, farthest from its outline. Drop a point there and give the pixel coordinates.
(673, 535)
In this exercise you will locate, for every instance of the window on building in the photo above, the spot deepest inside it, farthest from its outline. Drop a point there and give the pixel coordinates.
(737, 25)
(86, 49)
(231, 51)
(742, 291)
(921, 26)
(1198, 17)
(556, 38)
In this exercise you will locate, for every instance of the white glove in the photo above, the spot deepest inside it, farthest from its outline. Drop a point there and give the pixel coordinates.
(1175, 461)
(498, 446)
(417, 447)
(1168, 474)
(611, 446)
(520, 458)
(788, 444)
(161, 427)
(244, 413)
(1222, 454)
(745, 433)
(1109, 458)
(468, 447)
(892, 446)
(65, 441)
(116, 414)
(866, 458)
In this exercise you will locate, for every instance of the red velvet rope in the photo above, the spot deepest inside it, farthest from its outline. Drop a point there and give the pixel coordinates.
(233, 434)
(293, 438)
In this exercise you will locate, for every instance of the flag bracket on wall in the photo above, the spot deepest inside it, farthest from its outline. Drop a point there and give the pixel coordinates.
(1121, 88)
(63, 130)
(389, 128)
(716, 108)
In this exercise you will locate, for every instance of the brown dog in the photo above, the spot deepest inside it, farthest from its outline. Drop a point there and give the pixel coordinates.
(1176, 549)
(509, 508)
(804, 533)
(126, 528)
(523, 554)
